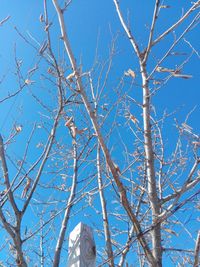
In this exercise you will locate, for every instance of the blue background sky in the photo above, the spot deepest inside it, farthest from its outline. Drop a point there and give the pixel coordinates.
(92, 22)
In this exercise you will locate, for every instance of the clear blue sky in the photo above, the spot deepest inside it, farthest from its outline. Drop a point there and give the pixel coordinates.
(87, 19)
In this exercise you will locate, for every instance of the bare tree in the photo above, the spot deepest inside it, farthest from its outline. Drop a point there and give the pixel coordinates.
(102, 154)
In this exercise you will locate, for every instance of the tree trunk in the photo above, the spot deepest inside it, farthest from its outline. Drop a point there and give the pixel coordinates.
(149, 154)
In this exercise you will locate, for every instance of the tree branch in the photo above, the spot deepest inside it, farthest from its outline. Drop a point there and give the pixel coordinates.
(109, 250)
(175, 25)
(155, 16)
(127, 30)
(69, 206)
(197, 251)
(6, 177)
(105, 150)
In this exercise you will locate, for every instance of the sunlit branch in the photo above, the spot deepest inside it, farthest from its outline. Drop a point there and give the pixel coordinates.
(127, 30)
(174, 44)
(155, 16)
(197, 251)
(186, 186)
(6, 177)
(69, 206)
(175, 25)
(108, 244)
(105, 150)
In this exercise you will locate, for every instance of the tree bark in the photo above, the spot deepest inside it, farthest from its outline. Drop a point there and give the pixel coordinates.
(149, 155)
(68, 209)
(113, 170)
(104, 213)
